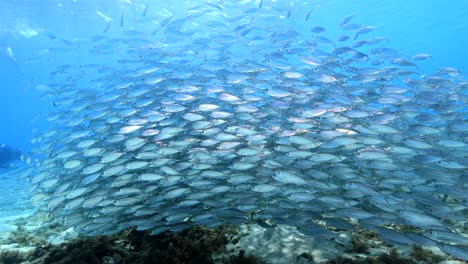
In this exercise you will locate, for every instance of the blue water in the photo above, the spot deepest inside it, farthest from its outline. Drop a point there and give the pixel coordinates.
(39, 38)
(439, 28)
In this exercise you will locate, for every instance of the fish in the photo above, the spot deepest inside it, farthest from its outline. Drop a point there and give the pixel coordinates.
(9, 52)
(12, 58)
(421, 56)
(217, 6)
(318, 29)
(308, 14)
(236, 115)
(447, 236)
(103, 16)
(108, 25)
(363, 30)
(394, 237)
(347, 19)
(460, 252)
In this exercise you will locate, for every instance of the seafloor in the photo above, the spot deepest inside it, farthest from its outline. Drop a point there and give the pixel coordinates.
(32, 240)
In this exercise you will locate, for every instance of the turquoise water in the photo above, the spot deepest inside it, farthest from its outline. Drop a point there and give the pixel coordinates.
(160, 116)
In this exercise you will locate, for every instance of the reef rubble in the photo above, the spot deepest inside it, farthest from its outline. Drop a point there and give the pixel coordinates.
(36, 242)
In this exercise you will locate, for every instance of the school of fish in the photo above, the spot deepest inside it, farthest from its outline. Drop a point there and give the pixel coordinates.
(230, 114)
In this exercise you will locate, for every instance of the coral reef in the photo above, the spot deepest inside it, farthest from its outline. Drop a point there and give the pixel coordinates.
(243, 258)
(11, 257)
(194, 245)
(421, 254)
(222, 245)
(391, 257)
(359, 246)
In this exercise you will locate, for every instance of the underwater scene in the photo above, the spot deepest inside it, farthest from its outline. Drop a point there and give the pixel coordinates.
(223, 131)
